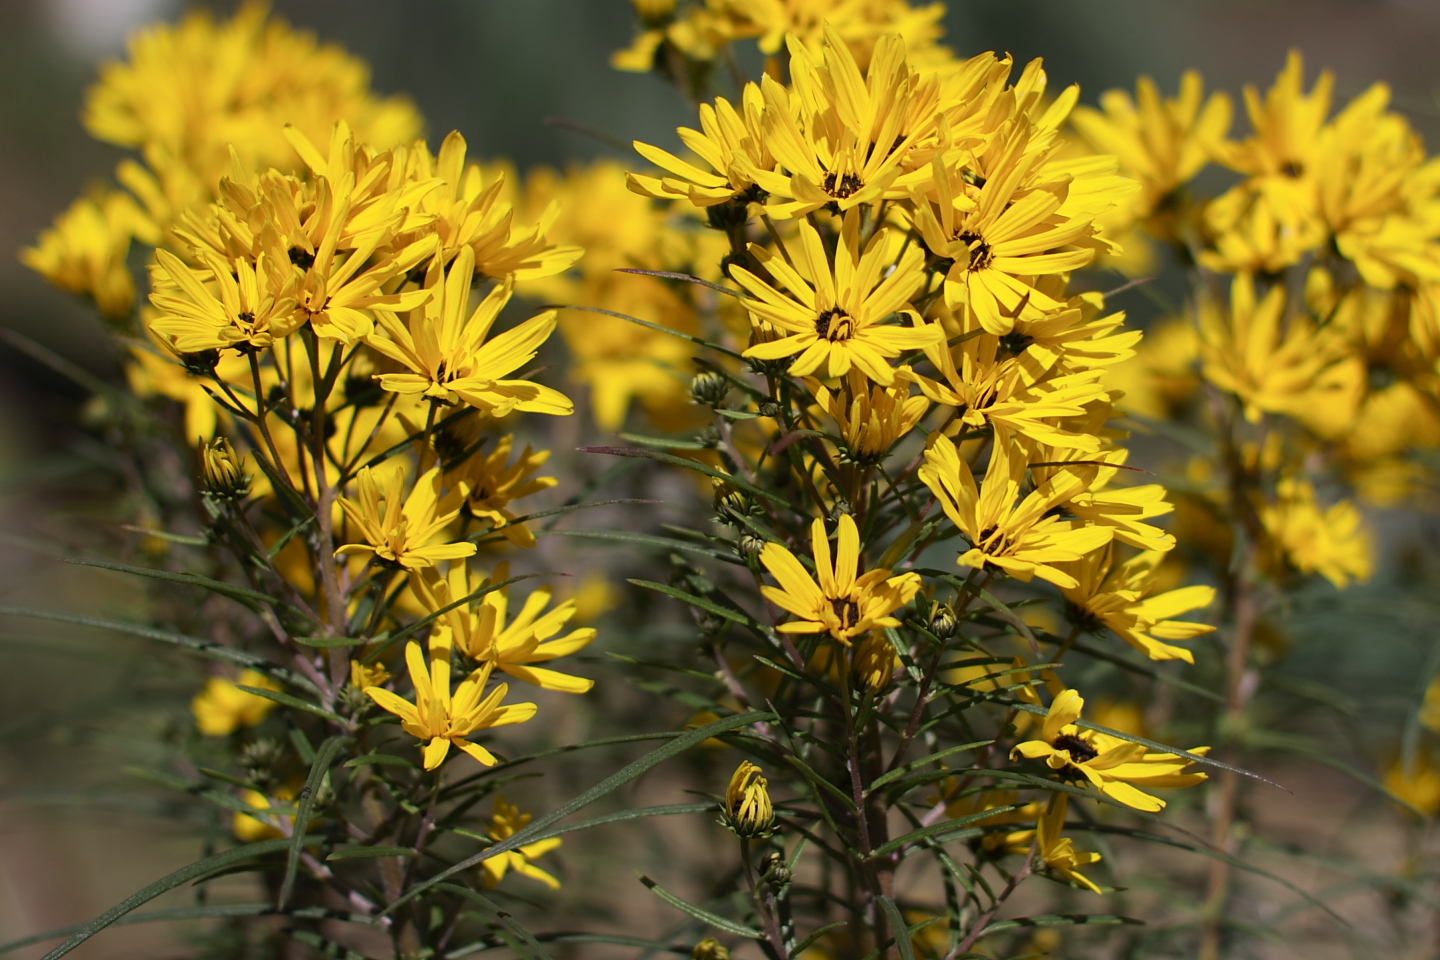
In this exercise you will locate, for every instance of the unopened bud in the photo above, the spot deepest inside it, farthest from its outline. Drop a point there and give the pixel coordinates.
(748, 812)
(875, 662)
(709, 949)
(709, 388)
(777, 871)
(222, 471)
(943, 622)
(709, 436)
(750, 547)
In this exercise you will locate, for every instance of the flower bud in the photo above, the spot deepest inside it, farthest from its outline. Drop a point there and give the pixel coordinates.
(748, 812)
(875, 662)
(709, 949)
(709, 388)
(777, 872)
(943, 622)
(222, 471)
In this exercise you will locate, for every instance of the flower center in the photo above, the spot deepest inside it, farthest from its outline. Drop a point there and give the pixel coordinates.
(980, 253)
(847, 610)
(1080, 750)
(842, 187)
(302, 258)
(246, 317)
(1292, 169)
(835, 324)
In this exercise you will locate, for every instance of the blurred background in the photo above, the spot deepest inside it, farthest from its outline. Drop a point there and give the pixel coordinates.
(524, 80)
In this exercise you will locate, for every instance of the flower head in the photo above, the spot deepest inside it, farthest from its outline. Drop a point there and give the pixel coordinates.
(504, 822)
(440, 720)
(402, 529)
(222, 707)
(843, 604)
(1059, 852)
(748, 811)
(223, 471)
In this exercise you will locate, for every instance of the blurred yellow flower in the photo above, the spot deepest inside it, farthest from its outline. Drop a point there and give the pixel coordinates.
(505, 820)
(222, 707)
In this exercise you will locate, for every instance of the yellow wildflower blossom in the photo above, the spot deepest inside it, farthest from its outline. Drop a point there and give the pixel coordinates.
(447, 353)
(1120, 597)
(269, 819)
(1024, 539)
(222, 707)
(1332, 542)
(251, 306)
(440, 720)
(842, 604)
(870, 418)
(1113, 766)
(402, 529)
(747, 809)
(729, 141)
(84, 251)
(491, 483)
(1419, 785)
(505, 820)
(480, 632)
(364, 675)
(1429, 715)
(833, 314)
(1059, 852)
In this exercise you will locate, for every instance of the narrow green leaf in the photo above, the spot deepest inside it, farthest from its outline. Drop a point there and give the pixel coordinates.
(153, 916)
(729, 613)
(709, 471)
(536, 951)
(644, 539)
(204, 647)
(194, 871)
(328, 642)
(845, 799)
(1061, 920)
(898, 925)
(700, 913)
(663, 443)
(318, 770)
(678, 745)
(809, 941)
(611, 939)
(214, 586)
(385, 759)
(687, 278)
(937, 830)
(355, 851)
(646, 323)
(168, 536)
(290, 701)
(899, 772)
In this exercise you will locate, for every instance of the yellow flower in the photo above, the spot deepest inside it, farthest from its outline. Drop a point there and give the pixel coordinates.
(491, 483)
(874, 662)
(1332, 542)
(833, 315)
(1116, 597)
(364, 675)
(84, 251)
(1162, 143)
(447, 353)
(1059, 852)
(710, 949)
(1010, 841)
(250, 306)
(402, 533)
(504, 822)
(1113, 766)
(222, 708)
(747, 810)
(730, 142)
(1419, 786)
(439, 720)
(842, 604)
(269, 819)
(870, 418)
(1023, 539)
(479, 631)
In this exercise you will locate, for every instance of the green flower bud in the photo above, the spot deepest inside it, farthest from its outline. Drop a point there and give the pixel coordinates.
(222, 472)
(748, 812)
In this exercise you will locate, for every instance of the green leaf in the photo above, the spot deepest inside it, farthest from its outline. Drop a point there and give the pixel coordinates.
(328, 642)
(644, 539)
(612, 939)
(897, 924)
(729, 613)
(153, 916)
(536, 951)
(678, 745)
(385, 759)
(352, 851)
(289, 701)
(700, 913)
(662, 443)
(1061, 920)
(653, 326)
(730, 478)
(203, 647)
(195, 871)
(809, 941)
(899, 772)
(937, 830)
(242, 594)
(671, 275)
(318, 770)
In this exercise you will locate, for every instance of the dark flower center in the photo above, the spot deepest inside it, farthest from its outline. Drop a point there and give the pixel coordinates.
(847, 610)
(835, 324)
(1292, 169)
(1015, 342)
(245, 316)
(842, 187)
(980, 253)
(1080, 750)
(302, 258)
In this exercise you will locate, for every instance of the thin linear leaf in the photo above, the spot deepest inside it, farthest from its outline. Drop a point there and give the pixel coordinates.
(678, 745)
(318, 770)
(645, 539)
(560, 511)
(503, 916)
(230, 590)
(730, 478)
(194, 871)
(646, 323)
(384, 759)
(188, 541)
(809, 941)
(700, 913)
(204, 647)
(932, 758)
(937, 830)
(664, 810)
(153, 916)
(1061, 920)
(902, 931)
(729, 613)
(353, 851)
(289, 701)
(328, 642)
(612, 939)
(672, 275)
(661, 443)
